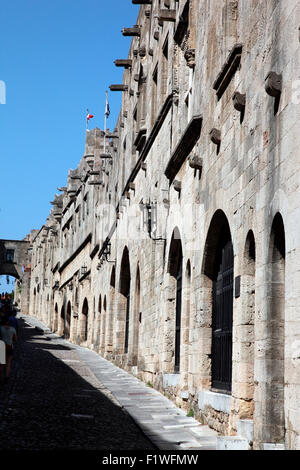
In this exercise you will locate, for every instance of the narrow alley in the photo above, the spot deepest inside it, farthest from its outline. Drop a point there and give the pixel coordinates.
(64, 397)
(54, 401)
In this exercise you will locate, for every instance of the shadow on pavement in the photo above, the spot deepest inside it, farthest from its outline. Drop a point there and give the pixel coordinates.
(51, 405)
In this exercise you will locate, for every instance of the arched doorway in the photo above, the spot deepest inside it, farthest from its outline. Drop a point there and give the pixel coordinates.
(98, 329)
(274, 429)
(103, 327)
(84, 321)
(68, 321)
(174, 304)
(55, 320)
(186, 322)
(245, 328)
(124, 303)
(62, 321)
(136, 320)
(111, 312)
(218, 269)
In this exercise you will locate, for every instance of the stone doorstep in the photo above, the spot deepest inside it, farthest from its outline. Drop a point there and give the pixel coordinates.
(232, 443)
(270, 446)
(217, 401)
(245, 429)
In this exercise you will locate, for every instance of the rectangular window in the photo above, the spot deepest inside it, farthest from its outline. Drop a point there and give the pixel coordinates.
(10, 256)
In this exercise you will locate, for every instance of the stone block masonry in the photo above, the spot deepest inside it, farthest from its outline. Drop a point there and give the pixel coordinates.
(176, 256)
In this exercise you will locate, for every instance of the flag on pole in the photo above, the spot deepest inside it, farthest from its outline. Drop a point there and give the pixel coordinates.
(88, 117)
(107, 110)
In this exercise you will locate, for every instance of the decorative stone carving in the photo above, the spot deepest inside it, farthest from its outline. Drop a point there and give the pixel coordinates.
(273, 84)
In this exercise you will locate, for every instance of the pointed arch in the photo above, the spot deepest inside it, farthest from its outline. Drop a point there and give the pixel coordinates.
(111, 313)
(217, 267)
(174, 303)
(103, 326)
(55, 320)
(136, 320)
(84, 320)
(245, 329)
(68, 321)
(275, 335)
(124, 301)
(186, 321)
(62, 320)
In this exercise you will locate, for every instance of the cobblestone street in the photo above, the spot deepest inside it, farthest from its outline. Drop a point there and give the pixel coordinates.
(54, 401)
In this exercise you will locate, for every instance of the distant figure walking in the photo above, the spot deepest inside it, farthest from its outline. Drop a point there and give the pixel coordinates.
(9, 336)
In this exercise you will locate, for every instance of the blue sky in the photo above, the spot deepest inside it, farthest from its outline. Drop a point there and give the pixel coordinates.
(56, 59)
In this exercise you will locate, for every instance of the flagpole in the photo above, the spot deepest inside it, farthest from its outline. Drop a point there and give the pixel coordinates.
(105, 120)
(87, 121)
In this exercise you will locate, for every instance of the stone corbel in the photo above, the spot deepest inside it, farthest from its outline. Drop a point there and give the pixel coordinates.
(190, 58)
(215, 136)
(273, 85)
(177, 185)
(239, 101)
(196, 162)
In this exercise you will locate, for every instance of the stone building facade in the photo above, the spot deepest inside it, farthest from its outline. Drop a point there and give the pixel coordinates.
(174, 248)
(15, 256)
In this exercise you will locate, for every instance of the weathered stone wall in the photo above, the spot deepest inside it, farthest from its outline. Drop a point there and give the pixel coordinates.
(180, 86)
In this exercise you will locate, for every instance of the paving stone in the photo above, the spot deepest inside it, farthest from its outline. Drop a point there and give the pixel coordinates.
(158, 419)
